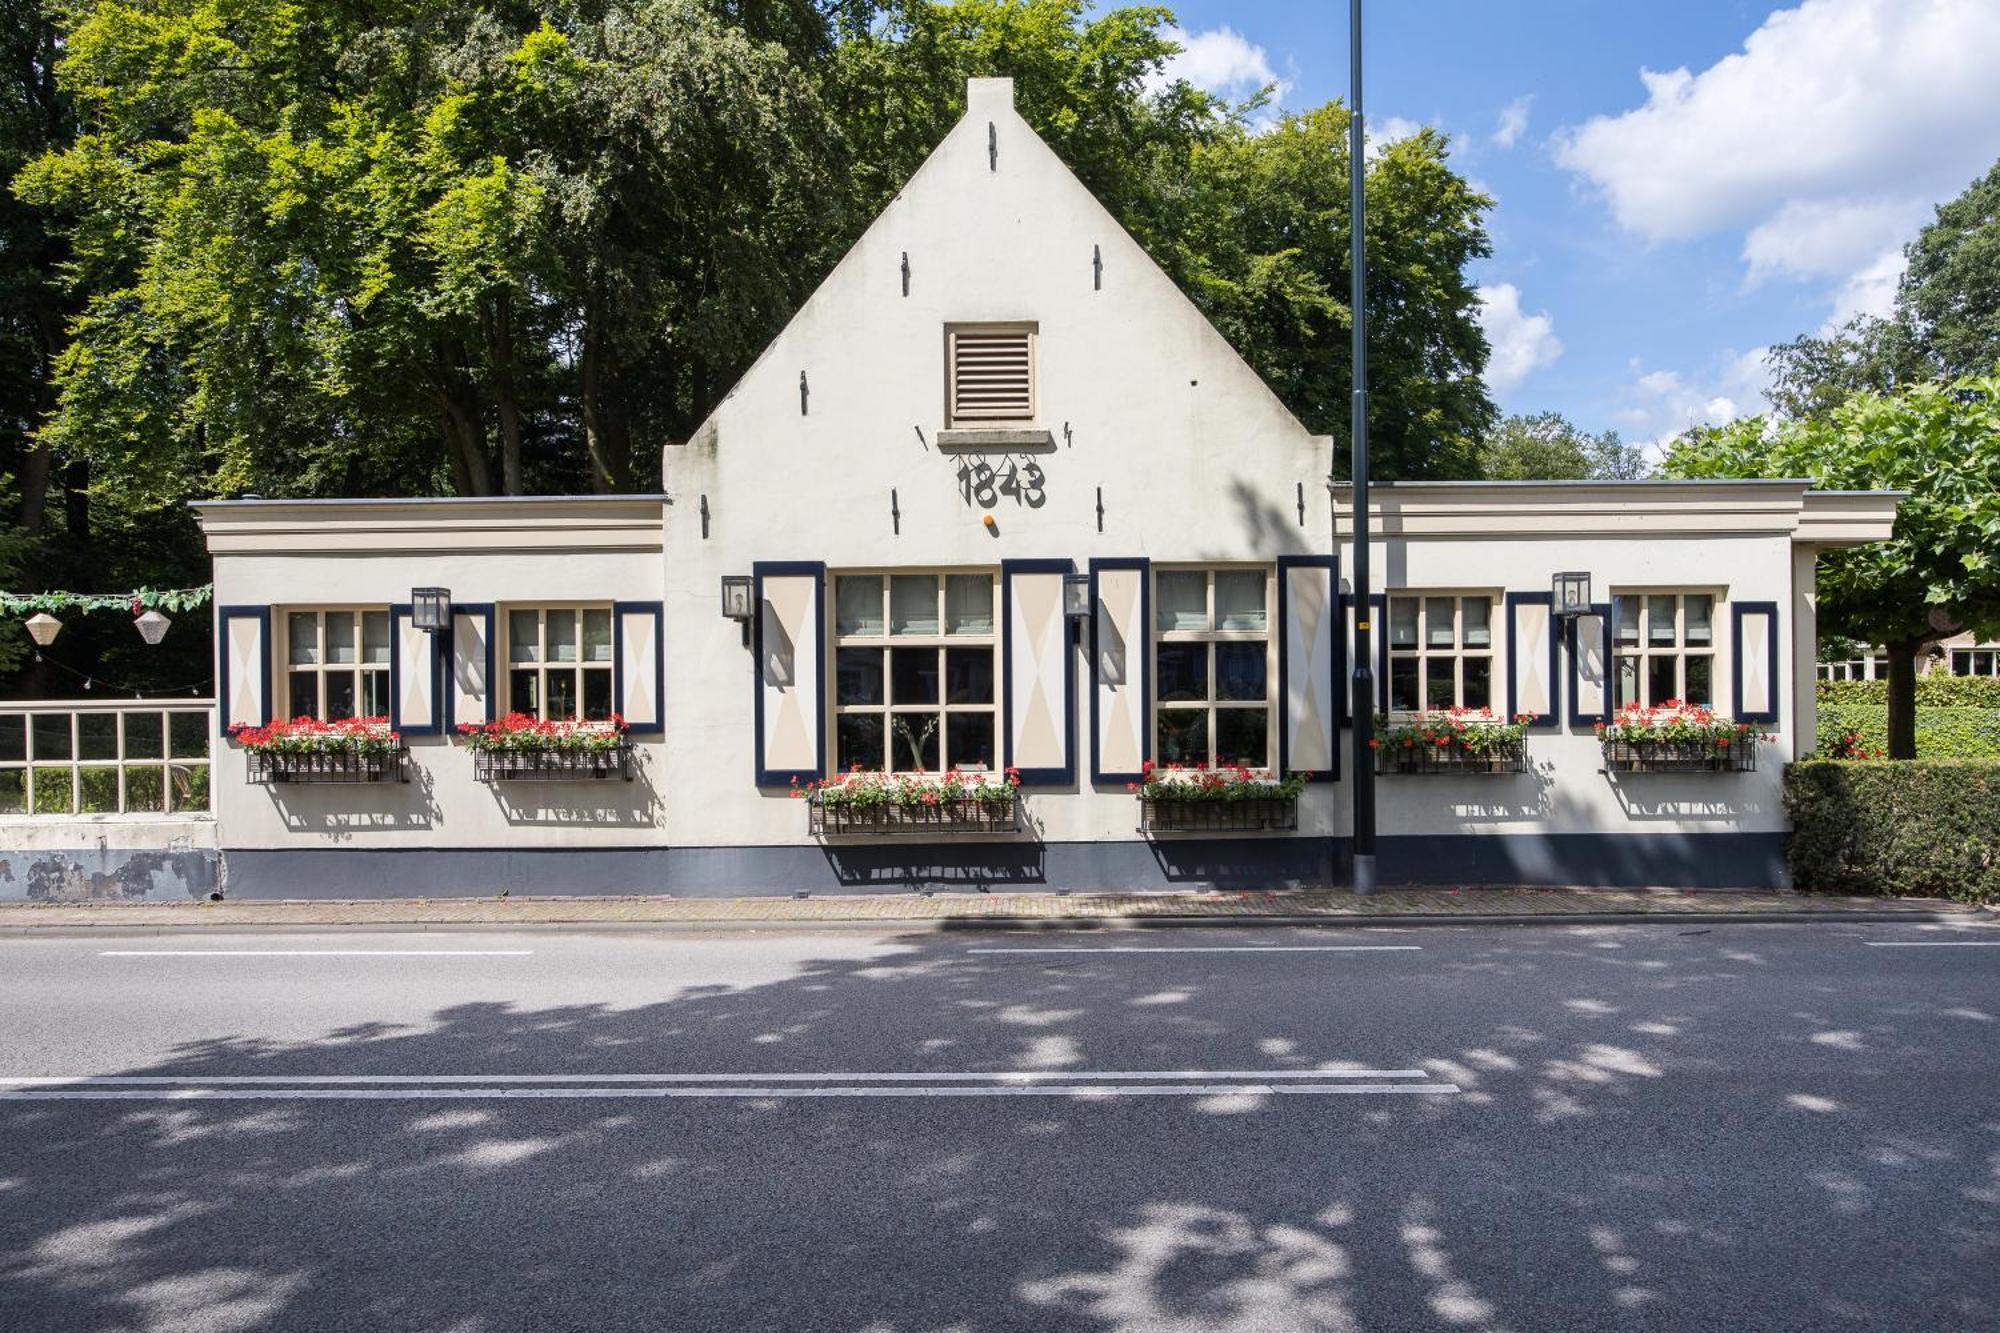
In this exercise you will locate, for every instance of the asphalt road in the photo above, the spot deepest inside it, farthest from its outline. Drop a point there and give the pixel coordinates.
(1669, 1127)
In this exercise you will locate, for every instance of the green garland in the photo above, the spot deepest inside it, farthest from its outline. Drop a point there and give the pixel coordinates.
(175, 600)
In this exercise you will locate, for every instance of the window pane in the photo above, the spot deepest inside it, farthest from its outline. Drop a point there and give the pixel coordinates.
(374, 694)
(1243, 736)
(860, 605)
(562, 702)
(340, 646)
(1625, 621)
(1182, 599)
(914, 674)
(1660, 628)
(1439, 632)
(303, 698)
(144, 738)
(1183, 672)
(302, 638)
(187, 734)
(858, 672)
(1701, 680)
(1476, 622)
(523, 634)
(860, 741)
(375, 637)
(561, 635)
(1662, 681)
(917, 742)
(913, 604)
(597, 693)
(1239, 599)
(969, 741)
(524, 693)
(1402, 622)
(1440, 690)
(1403, 684)
(1239, 671)
(968, 604)
(339, 695)
(14, 738)
(1184, 737)
(97, 736)
(1626, 689)
(52, 738)
(968, 675)
(1961, 663)
(597, 635)
(1478, 691)
(1700, 611)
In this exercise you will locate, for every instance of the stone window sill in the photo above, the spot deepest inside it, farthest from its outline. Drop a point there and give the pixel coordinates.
(1013, 441)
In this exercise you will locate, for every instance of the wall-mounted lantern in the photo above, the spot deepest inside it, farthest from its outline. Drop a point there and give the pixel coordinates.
(739, 601)
(430, 609)
(1076, 600)
(1571, 595)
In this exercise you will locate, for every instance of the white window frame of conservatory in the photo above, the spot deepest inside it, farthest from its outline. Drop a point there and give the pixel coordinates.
(504, 653)
(1211, 705)
(322, 668)
(1681, 651)
(1423, 654)
(1971, 656)
(940, 641)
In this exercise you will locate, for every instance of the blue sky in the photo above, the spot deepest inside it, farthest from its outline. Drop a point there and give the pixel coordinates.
(1681, 182)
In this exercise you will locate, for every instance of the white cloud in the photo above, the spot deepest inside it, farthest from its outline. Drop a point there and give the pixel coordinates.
(1513, 121)
(1660, 404)
(1870, 291)
(1522, 343)
(1824, 139)
(1220, 61)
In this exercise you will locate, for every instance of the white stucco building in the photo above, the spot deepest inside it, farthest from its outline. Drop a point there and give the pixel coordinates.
(994, 390)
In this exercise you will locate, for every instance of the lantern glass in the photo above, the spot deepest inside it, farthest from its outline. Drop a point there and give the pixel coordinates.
(43, 628)
(430, 608)
(1076, 596)
(737, 593)
(152, 625)
(1572, 594)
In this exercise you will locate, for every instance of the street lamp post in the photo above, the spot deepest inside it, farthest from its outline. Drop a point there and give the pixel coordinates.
(1363, 701)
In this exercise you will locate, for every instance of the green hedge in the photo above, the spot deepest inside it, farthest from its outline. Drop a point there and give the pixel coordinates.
(1942, 733)
(1920, 828)
(1936, 690)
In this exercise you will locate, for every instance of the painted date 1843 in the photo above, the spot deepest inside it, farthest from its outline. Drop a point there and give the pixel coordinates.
(982, 484)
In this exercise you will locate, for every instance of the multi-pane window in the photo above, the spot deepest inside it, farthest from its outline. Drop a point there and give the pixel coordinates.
(337, 663)
(1858, 668)
(1663, 647)
(915, 672)
(1982, 661)
(1212, 672)
(1440, 651)
(990, 375)
(559, 661)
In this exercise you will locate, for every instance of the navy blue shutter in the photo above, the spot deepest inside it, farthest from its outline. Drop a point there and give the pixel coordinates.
(641, 613)
(1764, 648)
(1548, 647)
(427, 661)
(1138, 665)
(1600, 612)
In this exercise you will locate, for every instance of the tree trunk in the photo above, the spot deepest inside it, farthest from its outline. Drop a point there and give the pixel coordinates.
(39, 465)
(76, 501)
(499, 325)
(1903, 697)
(467, 440)
(604, 437)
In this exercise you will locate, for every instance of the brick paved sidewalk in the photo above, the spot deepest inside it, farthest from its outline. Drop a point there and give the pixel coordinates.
(1399, 906)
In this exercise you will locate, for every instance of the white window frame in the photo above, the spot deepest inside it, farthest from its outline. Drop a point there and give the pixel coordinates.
(544, 667)
(1972, 658)
(1424, 655)
(957, 420)
(320, 668)
(889, 710)
(1680, 650)
(1211, 637)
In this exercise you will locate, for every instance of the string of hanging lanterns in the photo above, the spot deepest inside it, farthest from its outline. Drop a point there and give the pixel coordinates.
(147, 606)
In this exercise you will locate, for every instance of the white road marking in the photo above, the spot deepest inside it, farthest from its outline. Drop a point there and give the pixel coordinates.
(314, 953)
(975, 1076)
(1933, 944)
(1222, 948)
(1081, 1091)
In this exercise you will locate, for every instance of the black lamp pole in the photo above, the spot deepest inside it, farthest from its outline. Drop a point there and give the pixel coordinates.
(1364, 675)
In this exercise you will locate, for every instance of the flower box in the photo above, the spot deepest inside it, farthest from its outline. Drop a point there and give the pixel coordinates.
(1674, 737)
(520, 748)
(910, 804)
(1457, 740)
(305, 750)
(1248, 814)
(1501, 758)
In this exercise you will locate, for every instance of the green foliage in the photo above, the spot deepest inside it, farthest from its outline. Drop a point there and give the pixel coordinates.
(1547, 446)
(1936, 690)
(1943, 732)
(1918, 828)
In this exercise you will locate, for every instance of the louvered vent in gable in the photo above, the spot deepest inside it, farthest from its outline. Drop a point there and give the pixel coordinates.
(992, 370)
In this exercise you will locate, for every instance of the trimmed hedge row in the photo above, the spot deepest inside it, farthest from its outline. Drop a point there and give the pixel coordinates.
(1919, 828)
(1937, 690)
(1942, 733)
